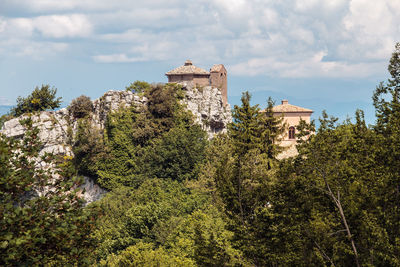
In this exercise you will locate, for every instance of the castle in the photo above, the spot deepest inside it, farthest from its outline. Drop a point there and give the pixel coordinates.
(216, 77)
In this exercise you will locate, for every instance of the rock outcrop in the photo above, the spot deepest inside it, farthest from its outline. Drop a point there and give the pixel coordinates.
(208, 109)
(58, 127)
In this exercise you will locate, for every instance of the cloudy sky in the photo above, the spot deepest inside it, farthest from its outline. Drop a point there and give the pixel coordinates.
(318, 54)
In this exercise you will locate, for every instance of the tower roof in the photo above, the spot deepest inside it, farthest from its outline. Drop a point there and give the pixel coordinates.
(285, 107)
(217, 68)
(187, 68)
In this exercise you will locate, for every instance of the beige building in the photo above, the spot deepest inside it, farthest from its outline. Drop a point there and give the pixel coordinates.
(291, 115)
(216, 77)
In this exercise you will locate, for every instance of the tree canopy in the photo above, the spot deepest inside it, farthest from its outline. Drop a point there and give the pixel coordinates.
(39, 226)
(176, 198)
(39, 100)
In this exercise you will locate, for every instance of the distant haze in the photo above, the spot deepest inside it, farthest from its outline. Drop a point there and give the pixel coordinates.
(4, 109)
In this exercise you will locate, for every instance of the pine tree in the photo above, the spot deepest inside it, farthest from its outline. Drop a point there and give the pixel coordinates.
(387, 104)
(273, 128)
(246, 130)
(245, 176)
(50, 228)
(39, 100)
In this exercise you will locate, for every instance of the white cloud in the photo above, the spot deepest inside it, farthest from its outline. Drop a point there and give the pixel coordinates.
(302, 38)
(59, 26)
(54, 26)
(312, 67)
(30, 48)
(115, 58)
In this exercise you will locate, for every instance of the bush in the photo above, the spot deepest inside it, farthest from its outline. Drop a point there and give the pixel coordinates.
(39, 100)
(144, 254)
(138, 87)
(176, 154)
(163, 100)
(3, 119)
(88, 148)
(81, 107)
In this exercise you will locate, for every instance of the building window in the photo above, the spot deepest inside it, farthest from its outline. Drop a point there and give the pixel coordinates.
(291, 132)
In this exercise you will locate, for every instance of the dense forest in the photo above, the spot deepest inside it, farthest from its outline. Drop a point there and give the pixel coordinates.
(177, 198)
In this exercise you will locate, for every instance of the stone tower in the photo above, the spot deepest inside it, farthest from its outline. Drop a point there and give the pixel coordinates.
(219, 79)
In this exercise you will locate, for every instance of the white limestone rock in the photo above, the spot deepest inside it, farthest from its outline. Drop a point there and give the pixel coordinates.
(205, 104)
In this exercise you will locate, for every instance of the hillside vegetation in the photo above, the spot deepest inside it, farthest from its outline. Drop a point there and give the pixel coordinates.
(177, 198)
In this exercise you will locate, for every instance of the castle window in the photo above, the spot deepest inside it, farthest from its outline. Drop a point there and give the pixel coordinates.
(291, 132)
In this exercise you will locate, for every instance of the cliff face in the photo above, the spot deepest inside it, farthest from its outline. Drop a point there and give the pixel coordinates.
(57, 127)
(207, 106)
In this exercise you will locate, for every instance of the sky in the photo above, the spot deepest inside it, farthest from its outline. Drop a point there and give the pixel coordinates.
(317, 54)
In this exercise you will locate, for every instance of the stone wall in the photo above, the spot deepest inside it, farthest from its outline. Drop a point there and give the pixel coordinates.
(219, 79)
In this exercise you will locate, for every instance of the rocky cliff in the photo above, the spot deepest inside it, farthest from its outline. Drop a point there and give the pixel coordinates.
(57, 127)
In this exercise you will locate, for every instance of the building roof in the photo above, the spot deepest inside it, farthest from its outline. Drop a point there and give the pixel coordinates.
(285, 107)
(216, 68)
(187, 68)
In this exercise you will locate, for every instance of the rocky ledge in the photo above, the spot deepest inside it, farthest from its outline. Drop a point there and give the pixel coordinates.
(57, 127)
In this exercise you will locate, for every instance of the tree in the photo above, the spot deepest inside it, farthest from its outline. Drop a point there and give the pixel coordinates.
(177, 154)
(386, 100)
(343, 192)
(245, 172)
(132, 134)
(149, 214)
(88, 147)
(144, 254)
(138, 87)
(246, 130)
(43, 221)
(39, 100)
(81, 107)
(273, 128)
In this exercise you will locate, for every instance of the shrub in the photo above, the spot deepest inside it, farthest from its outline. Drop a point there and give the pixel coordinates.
(39, 100)
(81, 107)
(3, 119)
(88, 148)
(138, 87)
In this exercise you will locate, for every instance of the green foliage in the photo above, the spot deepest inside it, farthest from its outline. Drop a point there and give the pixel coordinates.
(252, 129)
(342, 159)
(272, 129)
(163, 100)
(4, 118)
(203, 236)
(143, 254)
(178, 200)
(39, 100)
(47, 229)
(163, 217)
(157, 141)
(176, 154)
(244, 167)
(138, 87)
(88, 148)
(81, 107)
(145, 214)
(245, 129)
